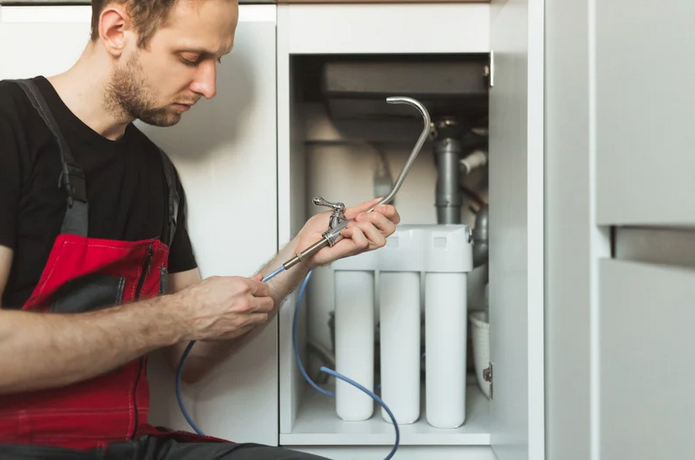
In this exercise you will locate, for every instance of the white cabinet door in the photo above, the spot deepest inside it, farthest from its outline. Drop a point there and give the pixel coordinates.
(225, 152)
(644, 112)
(647, 364)
(516, 231)
(645, 108)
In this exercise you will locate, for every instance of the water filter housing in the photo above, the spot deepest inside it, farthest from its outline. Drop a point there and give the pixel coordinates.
(440, 258)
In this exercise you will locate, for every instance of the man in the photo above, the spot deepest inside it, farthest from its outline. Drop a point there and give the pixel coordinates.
(87, 290)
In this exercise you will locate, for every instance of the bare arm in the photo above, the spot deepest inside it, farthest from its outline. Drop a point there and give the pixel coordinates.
(5, 265)
(48, 350)
(206, 354)
(43, 350)
(368, 232)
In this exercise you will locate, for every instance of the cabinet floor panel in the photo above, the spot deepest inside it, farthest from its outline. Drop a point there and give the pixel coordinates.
(318, 424)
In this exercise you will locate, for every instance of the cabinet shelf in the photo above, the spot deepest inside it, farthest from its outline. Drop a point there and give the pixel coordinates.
(318, 424)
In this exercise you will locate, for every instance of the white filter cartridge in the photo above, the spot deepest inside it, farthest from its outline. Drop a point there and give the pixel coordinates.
(354, 342)
(399, 300)
(445, 349)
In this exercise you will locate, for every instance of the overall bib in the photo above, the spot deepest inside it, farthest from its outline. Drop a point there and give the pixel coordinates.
(84, 274)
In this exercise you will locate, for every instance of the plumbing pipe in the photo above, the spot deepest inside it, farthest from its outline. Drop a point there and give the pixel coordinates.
(480, 237)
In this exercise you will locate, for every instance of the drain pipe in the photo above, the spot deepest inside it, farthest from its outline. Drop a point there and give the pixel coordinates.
(451, 167)
(447, 133)
(480, 235)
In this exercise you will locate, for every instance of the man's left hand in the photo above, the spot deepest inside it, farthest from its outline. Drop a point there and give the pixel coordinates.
(368, 231)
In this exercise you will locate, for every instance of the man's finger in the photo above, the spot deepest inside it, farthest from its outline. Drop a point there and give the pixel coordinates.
(353, 211)
(380, 221)
(390, 212)
(259, 289)
(262, 304)
(358, 238)
(372, 233)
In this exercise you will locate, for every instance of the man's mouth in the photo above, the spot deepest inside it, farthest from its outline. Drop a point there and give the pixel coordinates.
(183, 107)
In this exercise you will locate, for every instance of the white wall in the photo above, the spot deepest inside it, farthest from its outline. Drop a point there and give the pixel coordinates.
(225, 152)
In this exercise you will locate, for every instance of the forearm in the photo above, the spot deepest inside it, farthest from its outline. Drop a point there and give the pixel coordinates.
(206, 354)
(44, 350)
(367, 231)
(284, 283)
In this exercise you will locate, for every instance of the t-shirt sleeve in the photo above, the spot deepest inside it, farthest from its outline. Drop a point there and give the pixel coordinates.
(181, 257)
(10, 182)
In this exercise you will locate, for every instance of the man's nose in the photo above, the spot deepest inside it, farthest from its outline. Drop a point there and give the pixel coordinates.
(205, 82)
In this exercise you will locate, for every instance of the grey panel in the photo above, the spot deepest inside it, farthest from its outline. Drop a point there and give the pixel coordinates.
(647, 376)
(645, 59)
(656, 245)
(453, 85)
(568, 265)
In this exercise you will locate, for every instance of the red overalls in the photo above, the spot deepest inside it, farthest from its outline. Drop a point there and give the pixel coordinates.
(84, 274)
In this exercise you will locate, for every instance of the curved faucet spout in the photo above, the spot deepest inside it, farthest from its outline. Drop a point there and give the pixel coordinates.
(418, 146)
(332, 236)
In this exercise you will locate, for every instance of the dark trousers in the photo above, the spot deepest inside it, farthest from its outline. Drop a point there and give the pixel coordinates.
(152, 448)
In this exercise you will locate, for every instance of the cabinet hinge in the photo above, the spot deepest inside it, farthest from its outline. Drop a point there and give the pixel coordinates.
(487, 376)
(490, 70)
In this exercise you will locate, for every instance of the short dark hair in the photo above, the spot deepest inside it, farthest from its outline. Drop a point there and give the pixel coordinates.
(147, 15)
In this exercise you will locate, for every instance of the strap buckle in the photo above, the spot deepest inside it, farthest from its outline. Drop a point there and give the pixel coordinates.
(73, 182)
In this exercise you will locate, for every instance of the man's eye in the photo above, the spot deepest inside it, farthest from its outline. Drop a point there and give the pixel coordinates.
(189, 62)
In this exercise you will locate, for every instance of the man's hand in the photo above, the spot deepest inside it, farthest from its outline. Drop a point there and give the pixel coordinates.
(367, 232)
(239, 308)
(225, 307)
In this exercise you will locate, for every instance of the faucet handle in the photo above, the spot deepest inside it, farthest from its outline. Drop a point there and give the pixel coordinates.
(337, 206)
(338, 216)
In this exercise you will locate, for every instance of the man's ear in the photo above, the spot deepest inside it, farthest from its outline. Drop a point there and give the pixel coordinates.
(115, 29)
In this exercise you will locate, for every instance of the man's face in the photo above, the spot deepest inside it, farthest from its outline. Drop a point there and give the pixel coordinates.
(159, 83)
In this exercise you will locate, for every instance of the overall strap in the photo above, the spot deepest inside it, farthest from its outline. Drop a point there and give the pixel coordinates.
(173, 199)
(72, 179)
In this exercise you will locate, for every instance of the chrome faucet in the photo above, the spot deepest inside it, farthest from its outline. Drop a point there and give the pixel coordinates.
(337, 220)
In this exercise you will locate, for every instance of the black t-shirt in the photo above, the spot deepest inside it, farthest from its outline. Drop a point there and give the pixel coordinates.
(126, 187)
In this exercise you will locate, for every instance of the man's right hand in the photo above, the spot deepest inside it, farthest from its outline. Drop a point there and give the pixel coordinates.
(225, 307)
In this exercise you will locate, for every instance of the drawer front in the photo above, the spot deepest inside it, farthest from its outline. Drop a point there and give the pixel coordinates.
(647, 361)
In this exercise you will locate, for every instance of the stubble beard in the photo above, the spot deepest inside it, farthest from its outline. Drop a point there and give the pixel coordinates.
(129, 97)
